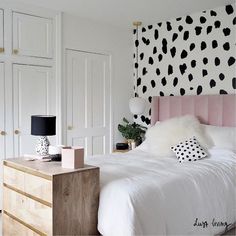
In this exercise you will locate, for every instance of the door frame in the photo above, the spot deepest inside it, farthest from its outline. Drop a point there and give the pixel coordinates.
(64, 93)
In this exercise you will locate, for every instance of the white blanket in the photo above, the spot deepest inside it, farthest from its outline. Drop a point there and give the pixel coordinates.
(146, 195)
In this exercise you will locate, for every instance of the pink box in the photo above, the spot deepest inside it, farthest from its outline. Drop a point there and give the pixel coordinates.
(72, 157)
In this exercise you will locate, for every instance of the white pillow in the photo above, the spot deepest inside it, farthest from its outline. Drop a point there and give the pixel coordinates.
(222, 137)
(167, 133)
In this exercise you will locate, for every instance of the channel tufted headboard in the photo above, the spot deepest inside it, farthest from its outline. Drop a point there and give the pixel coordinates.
(219, 110)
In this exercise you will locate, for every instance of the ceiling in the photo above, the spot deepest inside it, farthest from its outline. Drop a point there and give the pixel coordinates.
(122, 13)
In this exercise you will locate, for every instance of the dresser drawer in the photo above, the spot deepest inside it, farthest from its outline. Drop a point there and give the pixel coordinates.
(38, 187)
(12, 227)
(33, 213)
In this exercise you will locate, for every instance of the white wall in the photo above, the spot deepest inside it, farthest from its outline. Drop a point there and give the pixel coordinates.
(86, 35)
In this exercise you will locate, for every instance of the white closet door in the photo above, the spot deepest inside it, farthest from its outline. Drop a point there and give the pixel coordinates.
(88, 101)
(1, 30)
(2, 125)
(32, 35)
(34, 94)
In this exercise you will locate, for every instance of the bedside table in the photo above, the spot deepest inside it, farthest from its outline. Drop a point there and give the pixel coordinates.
(121, 151)
(42, 198)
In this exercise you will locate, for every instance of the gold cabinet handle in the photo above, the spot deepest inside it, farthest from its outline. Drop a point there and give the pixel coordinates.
(69, 127)
(15, 51)
(2, 50)
(17, 131)
(3, 133)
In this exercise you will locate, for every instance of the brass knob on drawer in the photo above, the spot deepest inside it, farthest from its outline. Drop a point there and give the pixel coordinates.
(15, 51)
(69, 127)
(3, 133)
(2, 50)
(17, 131)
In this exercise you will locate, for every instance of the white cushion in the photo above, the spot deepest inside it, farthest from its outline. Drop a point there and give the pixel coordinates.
(169, 132)
(222, 137)
(189, 150)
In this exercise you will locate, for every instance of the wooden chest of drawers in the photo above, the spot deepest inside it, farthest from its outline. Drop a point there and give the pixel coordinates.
(41, 198)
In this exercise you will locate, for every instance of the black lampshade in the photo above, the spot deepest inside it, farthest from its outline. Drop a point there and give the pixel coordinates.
(43, 125)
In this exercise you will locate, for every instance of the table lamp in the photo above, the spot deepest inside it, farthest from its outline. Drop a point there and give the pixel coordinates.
(43, 126)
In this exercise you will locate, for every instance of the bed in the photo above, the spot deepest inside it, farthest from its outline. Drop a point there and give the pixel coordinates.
(145, 195)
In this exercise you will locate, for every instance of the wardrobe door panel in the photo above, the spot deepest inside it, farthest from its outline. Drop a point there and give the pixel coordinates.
(1, 31)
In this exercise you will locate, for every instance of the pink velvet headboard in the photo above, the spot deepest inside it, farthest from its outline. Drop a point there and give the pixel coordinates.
(219, 110)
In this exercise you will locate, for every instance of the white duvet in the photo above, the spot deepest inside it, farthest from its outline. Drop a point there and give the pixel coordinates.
(146, 195)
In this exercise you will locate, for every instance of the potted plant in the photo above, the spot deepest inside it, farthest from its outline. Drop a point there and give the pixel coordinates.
(133, 132)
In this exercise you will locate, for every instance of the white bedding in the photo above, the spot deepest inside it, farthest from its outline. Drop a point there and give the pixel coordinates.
(145, 195)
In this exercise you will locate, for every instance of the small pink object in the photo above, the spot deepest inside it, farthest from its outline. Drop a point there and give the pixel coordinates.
(72, 157)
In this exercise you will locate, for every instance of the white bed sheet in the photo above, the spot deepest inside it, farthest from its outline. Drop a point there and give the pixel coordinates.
(145, 195)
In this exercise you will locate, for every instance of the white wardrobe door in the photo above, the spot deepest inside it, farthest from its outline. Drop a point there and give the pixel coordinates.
(33, 94)
(32, 35)
(1, 30)
(88, 101)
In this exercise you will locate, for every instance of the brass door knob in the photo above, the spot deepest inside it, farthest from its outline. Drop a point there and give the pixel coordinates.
(15, 51)
(69, 127)
(3, 133)
(17, 131)
(2, 50)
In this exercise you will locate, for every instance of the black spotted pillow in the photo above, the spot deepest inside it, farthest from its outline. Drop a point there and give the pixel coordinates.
(189, 150)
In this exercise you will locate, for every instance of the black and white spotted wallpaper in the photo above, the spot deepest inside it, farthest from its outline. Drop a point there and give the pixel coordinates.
(190, 55)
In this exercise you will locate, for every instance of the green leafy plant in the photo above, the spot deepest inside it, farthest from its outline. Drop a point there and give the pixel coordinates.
(132, 130)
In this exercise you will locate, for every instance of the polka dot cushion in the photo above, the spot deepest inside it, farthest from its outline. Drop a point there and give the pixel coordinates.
(189, 150)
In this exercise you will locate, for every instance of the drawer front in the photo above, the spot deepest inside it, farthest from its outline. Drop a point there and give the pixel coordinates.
(33, 213)
(37, 187)
(12, 227)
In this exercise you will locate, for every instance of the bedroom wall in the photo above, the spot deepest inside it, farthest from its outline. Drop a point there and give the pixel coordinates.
(190, 55)
(86, 35)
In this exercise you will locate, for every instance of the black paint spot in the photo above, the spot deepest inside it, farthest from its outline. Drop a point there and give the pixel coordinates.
(162, 94)
(221, 76)
(158, 71)
(175, 81)
(178, 19)
(150, 61)
(209, 29)
(144, 71)
(141, 56)
(150, 27)
(204, 72)
(156, 34)
(182, 91)
(150, 99)
(198, 30)
(159, 24)
(136, 43)
(135, 65)
(229, 9)
(186, 35)
(205, 60)
(170, 69)
(191, 88)
(160, 57)
(193, 63)
(214, 44)
(192, 46)
(213, 13)
(135, 116)
(234, 83)
(217, 61)
(231, 61)
(202, 19)
(173, 51)
(168, 26)
(138, 81)
(150, 112)
(234, 21)
(146, 41)
(222, 91)
(226, 46)
(163, 81)
(226, 31)
(212, 83)
(142, 118)
(203, 45)
(199, 89)
(154, 50)
(171, 94)
(190, 77)
(217, 24)
(143, 29)
(174, 37)
(134, 31)
(180, 28)
(148, 121)
(164, 46)
(153, 83)
(183, 54)
(182, 68)
(189, 20)
(144, 89)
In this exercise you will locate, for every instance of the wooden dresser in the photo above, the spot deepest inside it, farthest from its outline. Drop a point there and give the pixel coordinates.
(42, 198)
